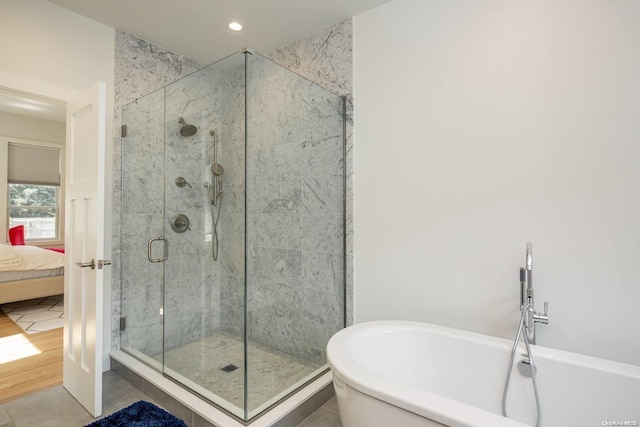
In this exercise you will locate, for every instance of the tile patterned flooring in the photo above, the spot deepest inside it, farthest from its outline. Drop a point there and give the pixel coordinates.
(55, 407)
(37, 315)
(270, 372)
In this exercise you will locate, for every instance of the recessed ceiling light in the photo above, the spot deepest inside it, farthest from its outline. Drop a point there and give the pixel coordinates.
(235, 26)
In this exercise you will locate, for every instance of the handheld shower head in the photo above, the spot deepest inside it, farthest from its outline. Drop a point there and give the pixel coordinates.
(186, 129)
(529, 258)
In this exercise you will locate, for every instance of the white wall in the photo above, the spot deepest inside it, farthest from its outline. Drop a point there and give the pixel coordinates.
(53, 52)
(46, 43)
(481, 126)
(20, 126)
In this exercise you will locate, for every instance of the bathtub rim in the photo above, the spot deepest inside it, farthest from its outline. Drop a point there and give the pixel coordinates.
(394, 392)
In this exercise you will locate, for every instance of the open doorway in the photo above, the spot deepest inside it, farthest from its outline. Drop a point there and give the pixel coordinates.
(32, 170)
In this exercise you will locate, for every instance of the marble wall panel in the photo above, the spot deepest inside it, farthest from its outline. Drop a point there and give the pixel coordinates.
(326, 58)
(276, 230)
(295, 197)
(322, 194)
(275, 197)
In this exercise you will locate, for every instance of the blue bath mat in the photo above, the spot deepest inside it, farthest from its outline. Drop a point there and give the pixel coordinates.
(140, 414)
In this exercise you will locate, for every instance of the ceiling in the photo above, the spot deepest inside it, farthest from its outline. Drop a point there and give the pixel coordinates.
(198, 29)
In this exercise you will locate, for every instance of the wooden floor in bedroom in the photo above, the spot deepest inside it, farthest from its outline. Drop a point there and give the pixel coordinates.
(28, 363)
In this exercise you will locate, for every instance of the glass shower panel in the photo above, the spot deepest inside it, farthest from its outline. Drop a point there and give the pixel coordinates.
(295, 229)
(142, 219)
(204, 213)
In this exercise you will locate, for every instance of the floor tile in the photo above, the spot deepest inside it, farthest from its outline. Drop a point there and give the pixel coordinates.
(322, 418)
(118, 393)
(331, 405)
(53, 407)
(5, 419)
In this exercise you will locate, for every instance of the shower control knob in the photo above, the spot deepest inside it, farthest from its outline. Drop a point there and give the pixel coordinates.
(180, 223)
(181, 182)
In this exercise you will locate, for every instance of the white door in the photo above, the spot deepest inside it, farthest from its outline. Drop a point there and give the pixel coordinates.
(84, 247)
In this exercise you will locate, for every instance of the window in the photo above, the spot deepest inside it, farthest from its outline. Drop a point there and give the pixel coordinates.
(35, 207)
(31, 189)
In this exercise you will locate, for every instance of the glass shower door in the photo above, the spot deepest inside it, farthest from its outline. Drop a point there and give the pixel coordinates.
(142, 219)
(204, 186)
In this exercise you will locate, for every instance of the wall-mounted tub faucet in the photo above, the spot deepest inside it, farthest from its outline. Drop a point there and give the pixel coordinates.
(526, 298)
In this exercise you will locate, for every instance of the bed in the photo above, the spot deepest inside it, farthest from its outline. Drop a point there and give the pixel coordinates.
(28, 272)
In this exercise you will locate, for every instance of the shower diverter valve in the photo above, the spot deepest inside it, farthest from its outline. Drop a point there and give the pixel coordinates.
(180, 223)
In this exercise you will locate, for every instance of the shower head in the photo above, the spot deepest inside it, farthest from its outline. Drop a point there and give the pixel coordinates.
(186, 129)
(217, 169)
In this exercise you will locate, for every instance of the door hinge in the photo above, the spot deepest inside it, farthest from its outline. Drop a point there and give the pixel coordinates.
(123, 131)
(123, 323)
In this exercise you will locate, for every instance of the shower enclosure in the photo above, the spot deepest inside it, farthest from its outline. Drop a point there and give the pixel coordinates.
(233, 194)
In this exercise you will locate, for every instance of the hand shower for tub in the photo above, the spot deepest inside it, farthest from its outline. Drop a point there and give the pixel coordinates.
(526, 329)
(214, 191)
(529, 370)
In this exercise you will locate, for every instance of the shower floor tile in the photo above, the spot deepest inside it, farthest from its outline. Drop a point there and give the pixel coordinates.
(270, 372)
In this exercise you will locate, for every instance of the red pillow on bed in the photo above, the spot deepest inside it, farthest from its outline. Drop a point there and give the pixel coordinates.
(16, 235)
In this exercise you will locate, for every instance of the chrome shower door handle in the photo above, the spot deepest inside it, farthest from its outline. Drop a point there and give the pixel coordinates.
(165, 250)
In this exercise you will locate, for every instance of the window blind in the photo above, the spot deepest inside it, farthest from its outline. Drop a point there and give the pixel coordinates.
(29, 164)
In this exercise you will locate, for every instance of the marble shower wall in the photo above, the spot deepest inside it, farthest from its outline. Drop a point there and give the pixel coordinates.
(295, 203)
(326, 58)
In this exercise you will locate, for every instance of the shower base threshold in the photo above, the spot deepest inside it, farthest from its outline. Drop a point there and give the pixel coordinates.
(290, 411)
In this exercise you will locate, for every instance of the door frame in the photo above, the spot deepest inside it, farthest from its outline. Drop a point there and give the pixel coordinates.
(64, 95)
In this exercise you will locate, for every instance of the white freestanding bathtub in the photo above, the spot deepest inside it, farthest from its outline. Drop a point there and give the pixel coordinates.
(406, 374)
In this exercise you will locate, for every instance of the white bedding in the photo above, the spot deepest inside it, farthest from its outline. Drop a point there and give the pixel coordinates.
(20, 258)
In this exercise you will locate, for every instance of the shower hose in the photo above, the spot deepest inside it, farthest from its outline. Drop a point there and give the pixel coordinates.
(215, 216)
(533, 377)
